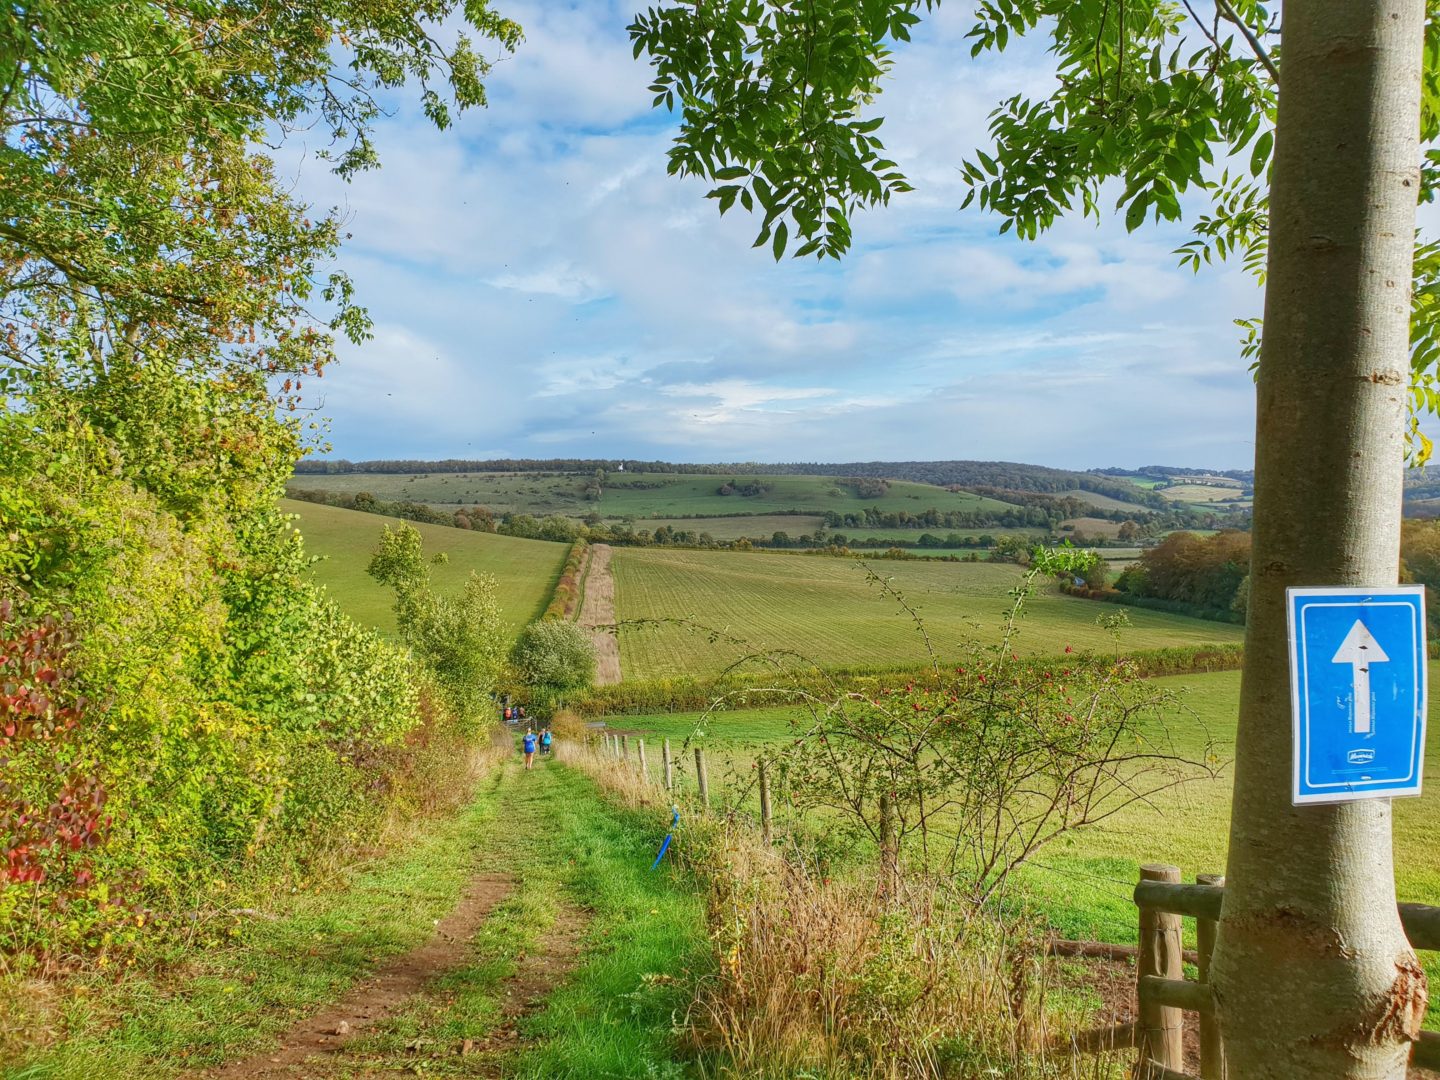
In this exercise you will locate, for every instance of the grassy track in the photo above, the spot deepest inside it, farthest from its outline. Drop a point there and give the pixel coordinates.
(824, 609)
(568, 849)
(524, 570)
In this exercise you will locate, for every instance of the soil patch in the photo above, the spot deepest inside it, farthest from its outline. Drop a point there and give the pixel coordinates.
(1114, 982)
(597, 609)
(374, 999)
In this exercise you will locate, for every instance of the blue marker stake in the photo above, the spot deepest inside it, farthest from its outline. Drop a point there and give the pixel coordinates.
(666, 845)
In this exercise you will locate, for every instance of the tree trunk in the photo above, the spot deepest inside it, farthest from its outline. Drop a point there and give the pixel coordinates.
(1313, 975)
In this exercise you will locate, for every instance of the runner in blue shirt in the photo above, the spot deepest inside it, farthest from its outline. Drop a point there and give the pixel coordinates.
(529, 749)
(545, 741)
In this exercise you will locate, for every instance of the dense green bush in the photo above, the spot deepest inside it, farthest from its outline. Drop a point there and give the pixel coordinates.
(460, 639)
(555, 653)
(231, 709)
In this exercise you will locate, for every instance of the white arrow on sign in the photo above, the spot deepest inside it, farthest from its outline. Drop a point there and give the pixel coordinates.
(1360, 650)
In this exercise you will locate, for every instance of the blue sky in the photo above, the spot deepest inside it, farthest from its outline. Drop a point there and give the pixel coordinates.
(540, 288)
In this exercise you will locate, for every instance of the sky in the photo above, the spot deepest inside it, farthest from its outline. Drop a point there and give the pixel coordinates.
(541, 288)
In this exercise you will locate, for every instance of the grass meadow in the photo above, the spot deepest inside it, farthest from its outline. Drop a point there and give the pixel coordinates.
(525, 571)
(642, 494)
(827, 611)
(1083, 883)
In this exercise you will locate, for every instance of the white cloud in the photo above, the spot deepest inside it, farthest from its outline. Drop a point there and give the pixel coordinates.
(542, 284)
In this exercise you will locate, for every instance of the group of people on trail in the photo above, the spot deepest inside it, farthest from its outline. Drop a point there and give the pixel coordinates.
(515, 713)
(531, 741)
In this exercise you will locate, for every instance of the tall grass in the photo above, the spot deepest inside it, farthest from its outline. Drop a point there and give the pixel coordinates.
(821, 972)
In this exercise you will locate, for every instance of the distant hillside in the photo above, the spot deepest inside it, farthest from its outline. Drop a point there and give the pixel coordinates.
(1245, 476)
(998, 475)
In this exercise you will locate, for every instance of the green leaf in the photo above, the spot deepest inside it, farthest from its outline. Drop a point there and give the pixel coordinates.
(1135, 215)
(1260, 155)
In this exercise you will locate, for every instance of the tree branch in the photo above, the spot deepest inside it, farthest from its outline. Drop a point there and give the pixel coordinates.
(1223, 6)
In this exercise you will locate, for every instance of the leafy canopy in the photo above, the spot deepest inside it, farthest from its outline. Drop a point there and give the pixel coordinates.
(1166, 107)
(135, 216)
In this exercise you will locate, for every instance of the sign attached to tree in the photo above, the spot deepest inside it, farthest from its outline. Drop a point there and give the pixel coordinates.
(1357, 682)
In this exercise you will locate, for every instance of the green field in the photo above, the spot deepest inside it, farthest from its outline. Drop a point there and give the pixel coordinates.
(825, 609)
(910, 536)
(1083, 883)
(525, 571)
(642, 494)
(755, 526)
(1221, 496)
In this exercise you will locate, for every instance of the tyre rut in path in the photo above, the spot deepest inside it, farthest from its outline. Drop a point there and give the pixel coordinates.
(321, 1044)
(537, 974)
(597, 609)
(377, 997)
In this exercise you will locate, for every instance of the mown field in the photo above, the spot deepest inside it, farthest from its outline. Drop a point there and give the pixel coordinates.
(525, 571)
(910, 536)
(1083, 882)
(650, 495)
(1216, 495)
(826, 610)
(732, 528)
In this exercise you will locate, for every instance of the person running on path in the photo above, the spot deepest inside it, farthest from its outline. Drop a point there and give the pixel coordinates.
(529, 750)
(545, 741)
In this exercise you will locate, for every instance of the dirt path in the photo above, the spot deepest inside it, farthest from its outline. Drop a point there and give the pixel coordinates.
(379, 996)
(363, 1035)
(598, 609)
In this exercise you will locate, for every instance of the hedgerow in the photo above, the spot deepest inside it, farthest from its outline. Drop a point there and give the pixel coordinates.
(565, 600)
(770, 687)
(182, 704)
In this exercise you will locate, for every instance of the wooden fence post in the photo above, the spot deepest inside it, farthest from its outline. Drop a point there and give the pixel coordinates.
(625, 748)
(644, 771)
(1212, 1050)
(702, 778)
(889, 854)
(765, 828)
(669, 765)
(1161, 1026)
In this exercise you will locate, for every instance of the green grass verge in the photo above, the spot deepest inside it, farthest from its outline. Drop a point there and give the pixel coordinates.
(525, 571)
(824, 609)
(202, 1006)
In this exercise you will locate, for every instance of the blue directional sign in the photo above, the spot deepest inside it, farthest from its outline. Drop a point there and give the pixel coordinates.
(1357, 681)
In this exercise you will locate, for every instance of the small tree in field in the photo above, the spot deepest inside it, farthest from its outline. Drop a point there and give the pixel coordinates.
(555, 652)
(995, 758)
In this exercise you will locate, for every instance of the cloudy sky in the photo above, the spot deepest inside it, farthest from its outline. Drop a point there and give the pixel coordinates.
(541, 288)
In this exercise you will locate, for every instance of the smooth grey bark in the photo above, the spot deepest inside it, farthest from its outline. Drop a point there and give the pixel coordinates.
(1312, 973)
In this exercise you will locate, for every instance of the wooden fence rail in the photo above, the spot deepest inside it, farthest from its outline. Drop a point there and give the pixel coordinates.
(1164, 993)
